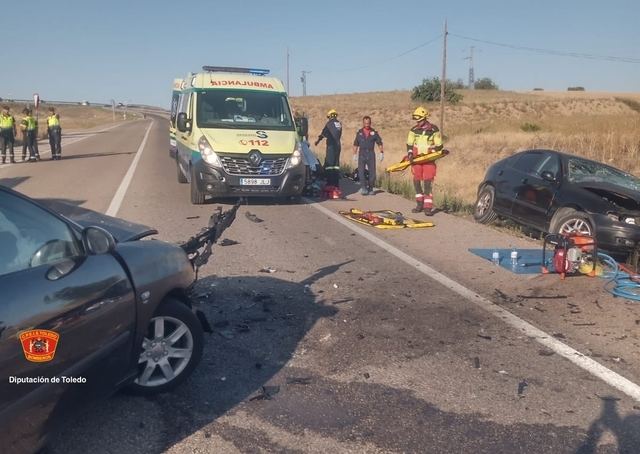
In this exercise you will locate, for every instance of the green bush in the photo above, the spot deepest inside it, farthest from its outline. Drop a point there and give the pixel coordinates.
(429, 91)
(530, 127)
(485, 84)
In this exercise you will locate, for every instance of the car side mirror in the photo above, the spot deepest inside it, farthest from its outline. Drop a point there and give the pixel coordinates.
(548, 176)
(97, 240)
(182, 123)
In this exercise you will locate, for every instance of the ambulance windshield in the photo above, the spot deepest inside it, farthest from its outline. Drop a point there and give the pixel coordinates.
(243, 109)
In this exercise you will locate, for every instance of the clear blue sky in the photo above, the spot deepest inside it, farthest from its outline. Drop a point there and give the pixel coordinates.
(132, 50)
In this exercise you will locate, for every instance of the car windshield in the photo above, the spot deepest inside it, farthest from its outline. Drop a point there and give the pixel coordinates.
(583, 171)
(243, 109)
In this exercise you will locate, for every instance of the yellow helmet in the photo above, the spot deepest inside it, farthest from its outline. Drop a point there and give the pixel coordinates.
(332, 114)
(420, 114)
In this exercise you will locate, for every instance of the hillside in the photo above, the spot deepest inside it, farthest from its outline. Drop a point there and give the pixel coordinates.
(489, 125)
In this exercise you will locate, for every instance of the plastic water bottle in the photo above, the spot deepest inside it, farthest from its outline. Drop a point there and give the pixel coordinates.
(514, 257)
(495, 258)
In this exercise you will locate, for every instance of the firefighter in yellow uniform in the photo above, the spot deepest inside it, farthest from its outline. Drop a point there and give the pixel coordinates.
(423, 138)
(7, 133)
(55, 134)
(29, 127)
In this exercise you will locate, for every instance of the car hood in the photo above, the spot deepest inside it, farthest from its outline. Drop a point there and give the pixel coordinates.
(243, 141)
(622, 197)
(121, 230)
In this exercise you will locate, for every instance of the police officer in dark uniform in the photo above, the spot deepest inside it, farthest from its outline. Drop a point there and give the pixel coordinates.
(55, 134)
(29, 128)
(332, 131)
(364, 152)
(8, 133)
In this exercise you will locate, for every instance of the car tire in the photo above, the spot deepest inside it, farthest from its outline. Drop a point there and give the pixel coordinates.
(182, 178)
(176, 320)
(197, 196)
(483, 211)
(568, 220)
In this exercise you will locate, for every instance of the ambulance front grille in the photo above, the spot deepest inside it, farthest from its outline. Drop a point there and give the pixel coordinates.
(242, 166)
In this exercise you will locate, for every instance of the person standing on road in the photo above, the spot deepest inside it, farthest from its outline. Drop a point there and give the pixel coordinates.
(332, 131)
(8, 133)
(365, 155)
(29, 127)
(55, 134)
(423, 138)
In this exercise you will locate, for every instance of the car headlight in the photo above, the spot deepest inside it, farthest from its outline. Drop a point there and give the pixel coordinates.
(629, 220)
(207, 152)
(296, 156)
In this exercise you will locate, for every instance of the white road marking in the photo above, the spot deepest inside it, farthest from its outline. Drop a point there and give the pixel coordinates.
(114, 206)
(65, 143)
(610, 377)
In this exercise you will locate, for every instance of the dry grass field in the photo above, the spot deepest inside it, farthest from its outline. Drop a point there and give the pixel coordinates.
(72, 118)
(489, 125)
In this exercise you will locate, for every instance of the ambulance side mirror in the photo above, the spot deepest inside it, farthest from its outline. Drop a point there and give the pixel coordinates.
(183, 124)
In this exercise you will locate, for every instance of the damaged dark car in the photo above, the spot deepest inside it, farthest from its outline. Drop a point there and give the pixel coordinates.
(89, 305)
(557, 192)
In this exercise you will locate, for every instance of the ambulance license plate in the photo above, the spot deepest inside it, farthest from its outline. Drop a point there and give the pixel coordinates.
(255, 181)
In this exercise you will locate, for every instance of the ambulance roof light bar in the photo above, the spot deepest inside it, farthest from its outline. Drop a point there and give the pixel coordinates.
(230, 69)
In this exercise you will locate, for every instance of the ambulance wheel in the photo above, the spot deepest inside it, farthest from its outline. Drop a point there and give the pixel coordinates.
(483, 211)
(568, 220)
(197, 196)
(182, 178)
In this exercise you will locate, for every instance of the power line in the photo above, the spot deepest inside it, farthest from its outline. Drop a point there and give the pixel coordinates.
(553, 52)
(379, 62)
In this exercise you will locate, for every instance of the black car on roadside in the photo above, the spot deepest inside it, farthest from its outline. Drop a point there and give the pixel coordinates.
(557, 192)
(88, 306)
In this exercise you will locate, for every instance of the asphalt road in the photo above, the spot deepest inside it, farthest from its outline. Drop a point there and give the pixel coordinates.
(356, 341)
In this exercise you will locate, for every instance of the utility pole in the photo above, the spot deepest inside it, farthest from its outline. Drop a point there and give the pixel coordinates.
(472, 79)
(303, 79)
(444, 77)
(288, 70)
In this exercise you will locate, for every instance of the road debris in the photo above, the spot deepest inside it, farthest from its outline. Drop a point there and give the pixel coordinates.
(299, 381)
(521, 387)
(546, 352)
(228, 242)
(476, 362)
(559, 336)
(366, 375)
(584, 324)
(268, 270)
(503, 372)
(253, 218)
(227, 334)
(335, 285)
(266, 393)
(193, 217)
(484, 336)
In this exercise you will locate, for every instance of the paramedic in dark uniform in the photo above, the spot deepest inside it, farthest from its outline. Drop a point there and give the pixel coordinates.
(332, 131)
(364, 151)
(55, 134)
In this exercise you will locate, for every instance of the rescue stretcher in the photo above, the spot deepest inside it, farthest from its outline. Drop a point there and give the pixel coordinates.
(420, 159)
(384, 219)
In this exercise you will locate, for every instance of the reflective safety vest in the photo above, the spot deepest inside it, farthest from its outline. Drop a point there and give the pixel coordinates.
(6, 121)
(29, 123)
(421, 138)
(53, 121)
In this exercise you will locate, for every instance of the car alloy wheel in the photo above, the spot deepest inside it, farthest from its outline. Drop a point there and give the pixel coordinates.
(576, 225)
(167, 353)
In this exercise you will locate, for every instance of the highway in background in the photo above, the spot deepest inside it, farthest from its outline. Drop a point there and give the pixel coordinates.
(333, 338)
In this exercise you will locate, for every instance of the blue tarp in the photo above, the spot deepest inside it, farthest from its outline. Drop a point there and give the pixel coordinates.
(529, 260)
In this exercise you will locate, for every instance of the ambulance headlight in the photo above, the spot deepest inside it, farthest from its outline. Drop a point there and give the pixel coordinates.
(296, 156)
(209, 156)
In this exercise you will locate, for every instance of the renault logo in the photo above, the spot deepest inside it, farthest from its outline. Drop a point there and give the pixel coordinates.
(255, 158)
